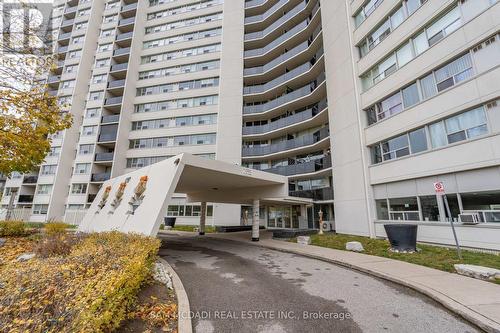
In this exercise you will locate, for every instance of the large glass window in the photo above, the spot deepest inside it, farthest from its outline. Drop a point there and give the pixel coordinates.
(405, 209)
(395, 148)
(382, 209)
(444, 26)
(430, 210)
(464, 126)
(418, 141)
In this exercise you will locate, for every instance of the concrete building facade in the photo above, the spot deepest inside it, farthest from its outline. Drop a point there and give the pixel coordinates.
(362, 104)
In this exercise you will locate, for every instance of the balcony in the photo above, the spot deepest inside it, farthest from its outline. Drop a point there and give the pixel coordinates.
(121, 51)
(299, 142)
(302, 168)
(104, 157)
(285, 18)
(64, 36)
(62, 49)
(285, 57)
(53, 79)
(25, 199)
(126, 21)
(67, 23)
(107, 137)
(124, 36)
(254, 3)
(70, 10)
(119, 67)
(114, 118)
(113, 100)
(100, 177)
(275, 43)
(280, 80)
(116, 84)
(129, 7)
(30, 180)
(268, 13)
(321, 194)
(287, 121)
(287, 98)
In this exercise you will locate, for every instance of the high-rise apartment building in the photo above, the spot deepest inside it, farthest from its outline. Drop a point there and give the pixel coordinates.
(363, 105)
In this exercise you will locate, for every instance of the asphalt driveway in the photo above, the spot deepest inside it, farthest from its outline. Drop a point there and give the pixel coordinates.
(233, 287)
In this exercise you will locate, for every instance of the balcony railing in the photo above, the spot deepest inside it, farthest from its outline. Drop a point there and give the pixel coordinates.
(100, 177)
(259, 34)
(269, 12)
(70, 10)
(30, 180)
(117, 83)
(301, 141)
(113, 100)
(287, 121)
(114, 118)
(254, 3)
(263, 50)
(125, 35)
(64, 36)
(121, 51)
(282, 58)
(67, 23)
(25, 198)
(302, 168)
(296, 94)
(107, 137)
(257, 89)
(126, 21)
(320, 194)
(62, 49)
(104, 157)
(119, 67)
(52, 79)
(128, 7)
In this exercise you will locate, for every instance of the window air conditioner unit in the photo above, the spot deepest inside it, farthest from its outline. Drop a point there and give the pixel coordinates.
(469, 218)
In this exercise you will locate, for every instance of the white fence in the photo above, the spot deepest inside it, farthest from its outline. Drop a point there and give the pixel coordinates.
(17, 214)
(74, 217)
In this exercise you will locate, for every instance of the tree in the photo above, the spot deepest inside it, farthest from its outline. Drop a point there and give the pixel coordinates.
(27, 119)
(28, 114)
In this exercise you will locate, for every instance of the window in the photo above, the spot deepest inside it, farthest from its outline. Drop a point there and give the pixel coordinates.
(86, 149)
(79, 189)
(454, 72)
(395, 148)
(465, 126)
(68, 84)
(89, 130)
(418, 141)
(48, 170)
(405, 209)
(96, 95)
(444, 26)
(92, 113)
(99, 78)
(105, 47)
(382, 209)
(54, 152)
(44, 189)
(40, 209)
(410, 95)
(82, 168)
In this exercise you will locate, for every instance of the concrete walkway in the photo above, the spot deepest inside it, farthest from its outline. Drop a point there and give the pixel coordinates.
(475, 300)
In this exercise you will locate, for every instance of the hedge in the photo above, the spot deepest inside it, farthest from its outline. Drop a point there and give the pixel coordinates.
(89, 290)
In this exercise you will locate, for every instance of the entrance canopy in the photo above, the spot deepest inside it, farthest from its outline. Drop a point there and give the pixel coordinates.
(137, 201)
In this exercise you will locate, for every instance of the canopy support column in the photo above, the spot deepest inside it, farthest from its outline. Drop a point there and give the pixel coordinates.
(203, 217)
(255, 220)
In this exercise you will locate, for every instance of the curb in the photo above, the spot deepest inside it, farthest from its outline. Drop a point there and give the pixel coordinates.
(184, 324)
(459, 309)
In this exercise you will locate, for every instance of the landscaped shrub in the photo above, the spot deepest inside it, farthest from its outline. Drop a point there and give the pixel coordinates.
(12, 229)
(89, 290)
(55, 245)
(56, 228)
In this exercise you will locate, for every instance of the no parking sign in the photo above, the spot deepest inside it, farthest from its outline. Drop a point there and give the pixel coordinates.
(439, 188)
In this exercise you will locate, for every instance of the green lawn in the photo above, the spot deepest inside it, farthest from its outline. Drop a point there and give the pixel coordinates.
(431, 256)
(208, 229)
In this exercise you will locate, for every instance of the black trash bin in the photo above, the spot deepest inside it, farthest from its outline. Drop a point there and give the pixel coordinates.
(403, 237)
(170, 221)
